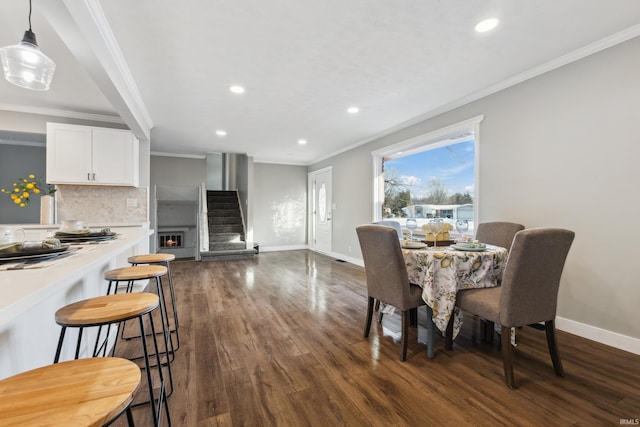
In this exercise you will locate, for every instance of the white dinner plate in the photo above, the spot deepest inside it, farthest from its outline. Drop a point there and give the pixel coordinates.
(413, 245)
(468, 248)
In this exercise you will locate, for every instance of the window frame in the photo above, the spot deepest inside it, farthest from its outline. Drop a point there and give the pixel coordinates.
(427, 141)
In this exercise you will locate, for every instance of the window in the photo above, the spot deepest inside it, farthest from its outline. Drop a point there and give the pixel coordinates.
(430, 176)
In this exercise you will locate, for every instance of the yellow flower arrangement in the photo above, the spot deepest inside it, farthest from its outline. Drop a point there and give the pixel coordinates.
(24, 188)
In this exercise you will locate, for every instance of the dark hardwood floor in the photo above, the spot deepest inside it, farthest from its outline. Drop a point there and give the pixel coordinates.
(277, 341)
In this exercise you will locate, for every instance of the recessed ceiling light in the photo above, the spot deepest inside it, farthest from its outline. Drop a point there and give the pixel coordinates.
(302, 141)
(487, 25)
(221, 132)
(236, 89)
(352, 110)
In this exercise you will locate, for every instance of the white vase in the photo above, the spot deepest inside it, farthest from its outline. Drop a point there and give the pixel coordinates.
(47, 210)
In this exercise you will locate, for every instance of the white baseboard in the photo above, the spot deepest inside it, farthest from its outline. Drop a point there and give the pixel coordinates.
(348, 259)
(613, 339)
(282, 248)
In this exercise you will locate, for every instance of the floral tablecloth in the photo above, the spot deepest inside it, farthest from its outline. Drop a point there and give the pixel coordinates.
(441, 272)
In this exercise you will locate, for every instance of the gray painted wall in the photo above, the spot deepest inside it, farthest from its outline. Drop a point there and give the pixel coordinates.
(177, 171)
(18, 161)
(280, 205)
(559, 150)
(176, 175)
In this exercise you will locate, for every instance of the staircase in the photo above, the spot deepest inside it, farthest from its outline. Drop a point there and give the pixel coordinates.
(226, 230)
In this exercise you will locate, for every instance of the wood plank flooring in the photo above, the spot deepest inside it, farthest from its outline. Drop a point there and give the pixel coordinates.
(277, 341)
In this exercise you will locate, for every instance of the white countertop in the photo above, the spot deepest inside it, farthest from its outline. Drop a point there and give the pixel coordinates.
(89, 225)
(24, 289)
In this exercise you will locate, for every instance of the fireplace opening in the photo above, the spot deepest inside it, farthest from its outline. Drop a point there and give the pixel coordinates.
(173, 239)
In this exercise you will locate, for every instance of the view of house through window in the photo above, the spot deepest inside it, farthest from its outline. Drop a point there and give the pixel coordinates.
(433, 183)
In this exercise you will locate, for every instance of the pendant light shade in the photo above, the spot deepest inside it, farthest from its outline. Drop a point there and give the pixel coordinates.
(25, 65)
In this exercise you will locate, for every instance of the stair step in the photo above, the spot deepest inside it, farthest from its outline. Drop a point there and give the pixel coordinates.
(220, 193)
(227, 255)
(223, 212)
(225, 199)
(223, 204)
(225, 237)
(224, 220)
(225, 228)
(226, 246)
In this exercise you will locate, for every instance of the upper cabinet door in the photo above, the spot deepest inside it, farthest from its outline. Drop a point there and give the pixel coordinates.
(115, 157)
(68, 154)
(91, 156)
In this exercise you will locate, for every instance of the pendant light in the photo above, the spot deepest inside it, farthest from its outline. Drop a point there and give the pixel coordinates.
(25, 65)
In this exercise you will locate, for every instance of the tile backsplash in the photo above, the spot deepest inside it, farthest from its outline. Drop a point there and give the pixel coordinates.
(102, 204)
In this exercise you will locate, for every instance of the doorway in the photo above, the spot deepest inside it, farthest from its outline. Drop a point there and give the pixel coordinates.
(320, 209)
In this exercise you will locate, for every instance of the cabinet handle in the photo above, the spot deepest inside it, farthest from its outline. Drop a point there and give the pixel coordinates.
(94, 176)
(88, 176)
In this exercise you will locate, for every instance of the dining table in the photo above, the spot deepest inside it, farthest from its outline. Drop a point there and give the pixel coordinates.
(442, 271)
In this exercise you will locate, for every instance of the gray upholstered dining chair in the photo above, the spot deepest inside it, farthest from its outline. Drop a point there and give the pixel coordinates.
(395, 224)
(388, 280)
(528, 294)
(398, 228)
(498, 233)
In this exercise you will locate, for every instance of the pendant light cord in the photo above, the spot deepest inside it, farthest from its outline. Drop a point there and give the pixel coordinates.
(29, 15)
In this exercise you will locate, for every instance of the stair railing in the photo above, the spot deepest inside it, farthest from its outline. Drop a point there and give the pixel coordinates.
(203, 221)
(244, 224)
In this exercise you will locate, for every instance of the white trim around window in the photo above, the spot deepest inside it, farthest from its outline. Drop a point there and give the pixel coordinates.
(429, 140)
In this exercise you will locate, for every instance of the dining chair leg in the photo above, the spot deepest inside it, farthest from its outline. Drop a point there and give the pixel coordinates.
(430, 333)
(553, 347)
(367, 324)
(413, 317)
(507, 356)
(448, 339)
(404, 339)
(377, 304)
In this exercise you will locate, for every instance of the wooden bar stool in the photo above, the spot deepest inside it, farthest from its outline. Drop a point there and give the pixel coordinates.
(128, 276)
(110, 309)
(162, 259)
(84, 392)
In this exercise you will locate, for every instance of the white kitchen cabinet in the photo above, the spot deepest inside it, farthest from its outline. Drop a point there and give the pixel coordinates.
(91, 155)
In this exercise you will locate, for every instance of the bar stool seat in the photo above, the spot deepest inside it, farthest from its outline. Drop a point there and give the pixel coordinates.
(143, 272)
(151, 258)
(110, 309)
(140, 272)
(87, 392)
(106, 309)
(165, 260)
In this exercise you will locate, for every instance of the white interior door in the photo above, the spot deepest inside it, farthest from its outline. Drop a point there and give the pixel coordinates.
(322, 211)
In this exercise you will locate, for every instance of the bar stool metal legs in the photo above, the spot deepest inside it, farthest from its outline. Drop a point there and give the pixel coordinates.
(163, 259)
(128, 276)
(109, 309)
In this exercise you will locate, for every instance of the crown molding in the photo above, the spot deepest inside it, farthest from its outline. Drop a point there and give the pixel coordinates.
(561, 61)
(61, 113)
(183, 156)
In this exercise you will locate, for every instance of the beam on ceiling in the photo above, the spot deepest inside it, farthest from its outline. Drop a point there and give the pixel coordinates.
(83, 27)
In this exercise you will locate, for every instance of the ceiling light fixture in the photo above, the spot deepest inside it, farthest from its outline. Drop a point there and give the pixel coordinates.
(487, 25)
(352, 110)
(25, 65)
(221, 132)
(236, 89)
(302, 141)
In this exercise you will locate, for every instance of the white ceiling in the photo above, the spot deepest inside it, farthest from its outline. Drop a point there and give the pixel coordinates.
(303, 63)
